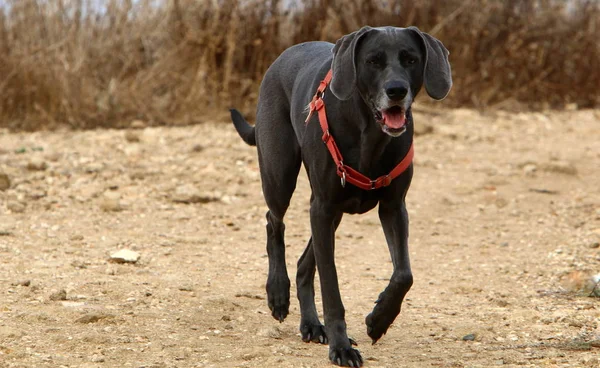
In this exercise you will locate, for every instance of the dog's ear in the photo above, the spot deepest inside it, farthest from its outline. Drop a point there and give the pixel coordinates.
(437, 75)
(343, 81)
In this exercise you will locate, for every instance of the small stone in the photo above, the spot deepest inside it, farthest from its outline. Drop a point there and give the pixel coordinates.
(22, 283)
(560, 167)
(132, 136)
(125, 256)
(197, 148)
(97, 358)
(530, 169)
(190, 194)
(93, 318)
(15, 206)
(111, 202)
(186, 288)
(37, 164)
(59, 295)
(283, 350)
(469, 337)
(137, 175)
(54, 156)
(272, 331)
(94, 167)
(594, 245)
(4, 182)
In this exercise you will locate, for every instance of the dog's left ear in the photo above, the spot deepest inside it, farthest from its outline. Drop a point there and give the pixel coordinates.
(437, 75)
(343, 66)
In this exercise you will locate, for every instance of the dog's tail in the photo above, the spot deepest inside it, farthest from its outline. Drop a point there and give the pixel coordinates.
(245, 130)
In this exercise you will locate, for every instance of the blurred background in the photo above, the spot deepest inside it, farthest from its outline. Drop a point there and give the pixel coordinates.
(93, 63)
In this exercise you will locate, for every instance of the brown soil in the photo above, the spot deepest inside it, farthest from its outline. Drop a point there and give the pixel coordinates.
(505, 225)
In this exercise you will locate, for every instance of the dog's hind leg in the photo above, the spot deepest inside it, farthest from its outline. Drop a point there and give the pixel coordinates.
(279, 161)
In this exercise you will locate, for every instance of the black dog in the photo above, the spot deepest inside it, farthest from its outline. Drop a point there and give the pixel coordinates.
(377, 73)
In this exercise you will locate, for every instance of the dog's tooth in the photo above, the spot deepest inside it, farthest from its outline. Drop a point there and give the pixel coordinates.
(339, 361)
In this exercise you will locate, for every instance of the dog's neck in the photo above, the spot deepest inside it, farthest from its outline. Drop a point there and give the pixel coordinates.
(368, 144)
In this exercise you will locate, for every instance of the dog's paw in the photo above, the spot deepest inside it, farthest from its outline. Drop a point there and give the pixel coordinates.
(278, 297)
(313, 332)
(316, 333)
(379, 321)
(345, 357)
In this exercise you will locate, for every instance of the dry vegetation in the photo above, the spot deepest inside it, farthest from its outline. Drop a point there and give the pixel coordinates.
(180, 61)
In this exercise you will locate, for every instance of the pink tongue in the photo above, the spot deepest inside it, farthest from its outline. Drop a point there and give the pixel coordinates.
(394, 120)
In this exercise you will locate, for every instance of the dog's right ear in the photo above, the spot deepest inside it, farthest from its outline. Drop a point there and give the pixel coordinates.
(343, 81)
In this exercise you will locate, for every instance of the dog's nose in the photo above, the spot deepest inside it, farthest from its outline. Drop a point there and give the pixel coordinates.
(396, 90)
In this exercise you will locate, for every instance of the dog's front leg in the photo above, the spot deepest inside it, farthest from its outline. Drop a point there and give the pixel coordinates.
(323, 219)
(394, 219)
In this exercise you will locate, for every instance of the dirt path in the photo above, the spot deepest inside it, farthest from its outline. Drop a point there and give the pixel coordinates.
(505, 225)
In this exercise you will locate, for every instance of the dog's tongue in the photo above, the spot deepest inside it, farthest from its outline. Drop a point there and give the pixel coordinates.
(394, 119)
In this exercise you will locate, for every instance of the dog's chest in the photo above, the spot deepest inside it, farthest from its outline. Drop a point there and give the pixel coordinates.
(359, 202)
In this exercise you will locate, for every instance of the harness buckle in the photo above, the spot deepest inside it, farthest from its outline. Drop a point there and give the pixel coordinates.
(326, 136)
(342, 173)
(319, 103)
(373, 182)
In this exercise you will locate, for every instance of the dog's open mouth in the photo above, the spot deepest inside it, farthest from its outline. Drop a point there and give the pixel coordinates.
(392, 120)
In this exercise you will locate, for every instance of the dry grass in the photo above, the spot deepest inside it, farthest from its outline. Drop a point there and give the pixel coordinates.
(179, 61)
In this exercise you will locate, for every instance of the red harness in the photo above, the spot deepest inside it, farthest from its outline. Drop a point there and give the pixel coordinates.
(345, 172)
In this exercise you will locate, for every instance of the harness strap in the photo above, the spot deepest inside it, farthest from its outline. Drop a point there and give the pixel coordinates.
(345, 172)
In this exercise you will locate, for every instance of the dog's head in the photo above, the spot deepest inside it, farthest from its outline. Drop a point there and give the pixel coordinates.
(388, 66)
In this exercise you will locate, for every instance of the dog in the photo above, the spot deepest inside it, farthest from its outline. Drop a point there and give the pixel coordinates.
(376, 73)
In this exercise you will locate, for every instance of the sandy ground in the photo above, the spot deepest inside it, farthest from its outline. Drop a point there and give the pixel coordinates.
(505, 229)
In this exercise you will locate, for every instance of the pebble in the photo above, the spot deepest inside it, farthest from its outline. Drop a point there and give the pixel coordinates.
(97, 358)
(4, 182)
(59, 295)
(283, 350)
(111, 202)
(273, 332)
(560, 167)
(22, 283)
(93, 318)
(190, 194)
(37, 164)
(530, 169)
(94, 167)
(125, 256)
(197, 148)
(469, 337)
(15, 206)
(132, 136)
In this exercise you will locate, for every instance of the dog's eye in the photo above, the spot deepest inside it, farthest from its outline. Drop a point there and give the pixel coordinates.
(375, 60)
(406, 58)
